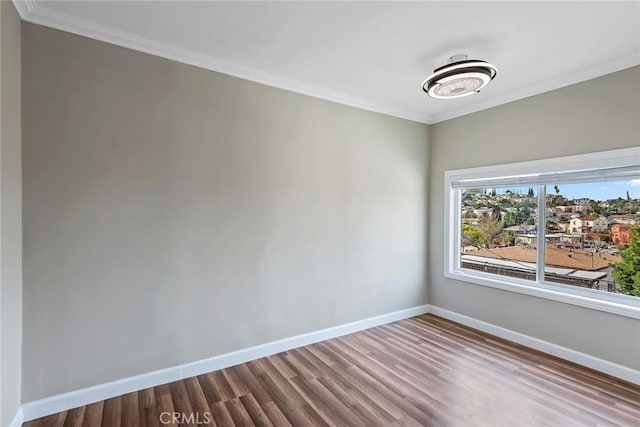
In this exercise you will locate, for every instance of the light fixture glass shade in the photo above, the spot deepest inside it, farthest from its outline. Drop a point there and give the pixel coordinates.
(459, 79)
(459, 85)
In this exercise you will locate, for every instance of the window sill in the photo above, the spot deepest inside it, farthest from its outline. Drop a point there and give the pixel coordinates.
(615, 304)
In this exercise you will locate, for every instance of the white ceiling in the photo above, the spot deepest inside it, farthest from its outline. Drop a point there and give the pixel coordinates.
(372, 55)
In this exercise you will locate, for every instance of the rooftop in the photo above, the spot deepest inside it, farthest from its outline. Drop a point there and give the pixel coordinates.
(560, 257)
(568, 272)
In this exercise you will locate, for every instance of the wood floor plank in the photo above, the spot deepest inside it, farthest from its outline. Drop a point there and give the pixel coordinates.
(209, 388)
(181, 403)
(74, 417)
(93, 414)
(326, 358)
(256, 389)
(147, 408)
(423, 371)
(50, 420)
(112, 412)
(281, 366)
(164, 403)
(361, 406)
(130, 410)
(392, 402)
(196, 395)
(319, 403)
(221, 385)
(304, 415)
(238, 387)
(59, 419)
(146, 398)
(149, 417)
(275, 415)
(238, 412)
(220, 414)
(276, 384)
(255, 411)
(303, 366)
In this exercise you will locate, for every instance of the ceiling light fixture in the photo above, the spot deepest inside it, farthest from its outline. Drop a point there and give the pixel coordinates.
(460, 77)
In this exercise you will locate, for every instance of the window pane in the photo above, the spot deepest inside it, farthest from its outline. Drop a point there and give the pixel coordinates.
(587, 229)
(498, 231)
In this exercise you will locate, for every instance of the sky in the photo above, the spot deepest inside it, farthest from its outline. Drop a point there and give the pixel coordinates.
(603, 190)
(600, 190)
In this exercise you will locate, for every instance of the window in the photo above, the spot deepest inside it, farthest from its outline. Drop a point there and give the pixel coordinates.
(555, 228)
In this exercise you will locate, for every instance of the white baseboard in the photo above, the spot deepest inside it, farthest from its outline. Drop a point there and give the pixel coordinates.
(74, 399)
(17, 420)
(613, 369)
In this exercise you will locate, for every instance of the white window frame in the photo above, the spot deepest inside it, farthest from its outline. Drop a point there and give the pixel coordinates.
(620, 304)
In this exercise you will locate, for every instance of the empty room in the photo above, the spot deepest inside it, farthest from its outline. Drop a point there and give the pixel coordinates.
(319, 213)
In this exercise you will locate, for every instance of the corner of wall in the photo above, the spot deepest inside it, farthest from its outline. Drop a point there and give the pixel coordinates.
(10, 217)
(427, 261)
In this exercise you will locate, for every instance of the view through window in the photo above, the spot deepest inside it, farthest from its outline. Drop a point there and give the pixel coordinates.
(498, 231)
(587, 230)
(591, 233)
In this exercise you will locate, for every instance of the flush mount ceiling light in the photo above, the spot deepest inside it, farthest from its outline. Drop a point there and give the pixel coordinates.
(460, 77)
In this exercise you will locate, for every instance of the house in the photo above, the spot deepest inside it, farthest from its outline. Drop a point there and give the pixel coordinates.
(588, 224)
(620, 234)
(240, 213)
(594, 236)
(565, 209)
(521, 229)
(623, 219)
(529, 239)
(582, 201)
(583, 209)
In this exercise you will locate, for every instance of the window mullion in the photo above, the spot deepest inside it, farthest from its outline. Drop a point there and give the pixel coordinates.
(456, 218)
(541, 233)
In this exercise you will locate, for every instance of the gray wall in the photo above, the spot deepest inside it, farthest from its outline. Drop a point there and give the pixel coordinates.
(173, 213)
(596, 115)
(10, 214)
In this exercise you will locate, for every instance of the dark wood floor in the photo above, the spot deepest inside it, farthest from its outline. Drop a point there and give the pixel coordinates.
(424, 371)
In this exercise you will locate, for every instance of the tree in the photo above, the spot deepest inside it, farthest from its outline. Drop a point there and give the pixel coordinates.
(558, 200)
(470, 236)
(596, 208)
(517, 217)
(557, 189)
(510, 219)
(495, 212)
(627, 272)
(530, 193)
(509, 238)
(488, 229)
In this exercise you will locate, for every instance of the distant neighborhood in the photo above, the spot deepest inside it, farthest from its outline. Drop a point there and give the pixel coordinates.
(584, 238)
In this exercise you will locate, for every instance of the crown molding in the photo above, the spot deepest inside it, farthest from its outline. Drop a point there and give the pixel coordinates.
(578, 76)
(33, 11)
(24, 7)
(36, 13)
